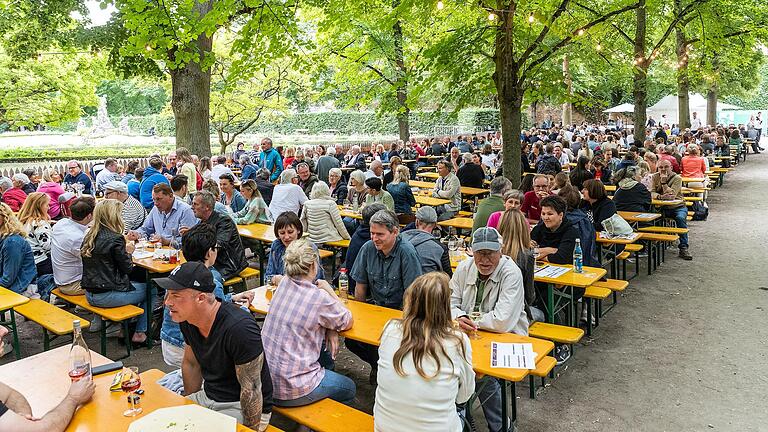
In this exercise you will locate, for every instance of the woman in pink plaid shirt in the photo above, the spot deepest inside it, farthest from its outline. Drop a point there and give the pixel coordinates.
(302, 316)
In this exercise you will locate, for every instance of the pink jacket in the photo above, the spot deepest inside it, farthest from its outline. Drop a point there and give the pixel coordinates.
(53, 190)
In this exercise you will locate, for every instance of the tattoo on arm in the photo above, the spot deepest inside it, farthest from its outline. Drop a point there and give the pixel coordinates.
(249, 376)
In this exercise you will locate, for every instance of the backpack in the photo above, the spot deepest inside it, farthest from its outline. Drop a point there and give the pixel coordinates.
(586, 229)
(700, 211)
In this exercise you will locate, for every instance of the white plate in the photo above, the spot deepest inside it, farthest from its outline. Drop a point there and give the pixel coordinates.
(186, 418)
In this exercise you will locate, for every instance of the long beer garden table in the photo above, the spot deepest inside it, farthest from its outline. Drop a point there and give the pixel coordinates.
(568, 281)
(369, 321)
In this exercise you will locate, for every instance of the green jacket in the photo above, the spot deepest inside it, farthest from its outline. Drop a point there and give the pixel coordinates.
(484, 209)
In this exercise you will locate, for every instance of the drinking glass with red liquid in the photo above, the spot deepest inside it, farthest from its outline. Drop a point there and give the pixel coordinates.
(130, 383)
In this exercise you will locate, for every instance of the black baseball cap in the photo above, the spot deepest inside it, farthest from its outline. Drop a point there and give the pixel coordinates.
(193, 275)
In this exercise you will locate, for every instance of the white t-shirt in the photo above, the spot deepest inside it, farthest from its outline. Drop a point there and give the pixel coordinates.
(286, 197)
(412, 403)
(695, 124)
(218, 170)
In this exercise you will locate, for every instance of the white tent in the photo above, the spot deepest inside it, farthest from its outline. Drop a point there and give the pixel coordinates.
(696, 103)
(623, 108)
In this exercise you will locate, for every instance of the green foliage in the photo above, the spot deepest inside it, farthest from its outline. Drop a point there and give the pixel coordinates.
(133, 97)
(29, 27)
(27, 154)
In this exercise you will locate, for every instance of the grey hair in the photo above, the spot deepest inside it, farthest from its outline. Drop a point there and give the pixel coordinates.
(302, 165)
(355, 147)
(287, 176)
(446, 164)
(499, 185)
(358, 176)
(320, 190)
(514, 193)
(467, 157)
(376, 163)
(330, 151)
(387, 218)
(5, 183)
(370, 210)
(263, 174)
(245, 159)
(207, 198)
(336, 171)
(20, 177)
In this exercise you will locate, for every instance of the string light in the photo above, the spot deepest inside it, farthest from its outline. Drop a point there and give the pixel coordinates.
(491, 16)
(598, 47)
(531, 18)
(440, 5)
(580, 32)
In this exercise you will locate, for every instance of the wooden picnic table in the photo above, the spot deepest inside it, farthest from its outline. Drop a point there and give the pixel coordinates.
(692, 179)
(633, 217)
(257, 231)
(469, 191)
(157, 265)
(666, 203)
(43, 378)
(431, 201)
(458, 223)
(567, 282)
(8, 301)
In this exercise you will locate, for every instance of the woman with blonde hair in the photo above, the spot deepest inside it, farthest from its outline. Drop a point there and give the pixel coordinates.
(401, 192)
(17, 264)
(107, 265)
(321, 218)
(51, 186)
(255, 210)
(303, 316)
(33, 216)
(425, 364)
(187, 168)
(516, 234)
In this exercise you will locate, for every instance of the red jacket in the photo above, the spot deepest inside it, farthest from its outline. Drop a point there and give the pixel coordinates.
(672, 160)
(15, 198)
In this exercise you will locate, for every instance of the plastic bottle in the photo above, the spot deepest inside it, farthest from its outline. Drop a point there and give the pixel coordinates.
(578, 265)
(79, 355)
(343, 285)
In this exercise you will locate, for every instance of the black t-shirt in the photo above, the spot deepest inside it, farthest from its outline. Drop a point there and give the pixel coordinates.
(3, 409)
(235, 339)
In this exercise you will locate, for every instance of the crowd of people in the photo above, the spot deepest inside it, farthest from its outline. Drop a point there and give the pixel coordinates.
(55, 233)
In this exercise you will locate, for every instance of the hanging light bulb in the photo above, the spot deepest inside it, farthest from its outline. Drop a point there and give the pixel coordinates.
(491, 16)
(598, 47)
(440, 5)
(531, 18)
(580, 32)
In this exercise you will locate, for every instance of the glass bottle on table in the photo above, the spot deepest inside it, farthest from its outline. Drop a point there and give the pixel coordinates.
(79, 355)
(578, 264)
(343, 285)
(453, 242)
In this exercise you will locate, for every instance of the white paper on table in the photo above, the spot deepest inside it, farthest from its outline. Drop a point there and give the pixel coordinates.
(645, 215)
(142, 254)
(551, 272)
(186, 418)
(513, 355)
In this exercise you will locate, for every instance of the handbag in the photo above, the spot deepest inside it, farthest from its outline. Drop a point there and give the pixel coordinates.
(616, 225)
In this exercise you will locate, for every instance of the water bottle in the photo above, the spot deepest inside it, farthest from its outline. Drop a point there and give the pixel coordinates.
(453, 242)
(578, 265)
(343, 285)
(79, 355)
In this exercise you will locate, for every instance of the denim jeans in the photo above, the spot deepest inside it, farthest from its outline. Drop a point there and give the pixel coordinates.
(334, 386)
(679, 214)
(350, 224)
(367, 352)
(121, 298)
(489, 394)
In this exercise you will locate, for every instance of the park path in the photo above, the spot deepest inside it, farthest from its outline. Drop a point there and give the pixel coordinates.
(685, 350)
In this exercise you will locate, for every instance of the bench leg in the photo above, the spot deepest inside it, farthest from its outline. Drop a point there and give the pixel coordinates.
(588, 305)
(127, 336)
(16, 347)
(103, 337)
(46, 340)
(532, 386)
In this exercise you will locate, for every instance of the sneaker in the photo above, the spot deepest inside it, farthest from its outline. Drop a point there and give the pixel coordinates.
(684, 254)
(562, 354)
(96, 324)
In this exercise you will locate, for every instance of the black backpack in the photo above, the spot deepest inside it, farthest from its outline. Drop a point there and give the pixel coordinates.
(700, 211)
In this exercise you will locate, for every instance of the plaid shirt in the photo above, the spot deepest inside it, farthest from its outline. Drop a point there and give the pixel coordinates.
(293, 336)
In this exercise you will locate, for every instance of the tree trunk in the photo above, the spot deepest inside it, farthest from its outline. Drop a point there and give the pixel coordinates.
(712, 104)
(683, 84)
(640, 74)
(191, 94)
(510, 90)
(403, 111)
(567, 106)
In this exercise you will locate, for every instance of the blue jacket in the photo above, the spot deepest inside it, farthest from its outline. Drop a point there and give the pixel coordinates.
(150, 179)
(272, 161)
(249, 172)
(238, 201)
(171, 332)
(128, 177)
(81, 178)
(134, 187)
(403, 197)
(17, 264)
(276, 265)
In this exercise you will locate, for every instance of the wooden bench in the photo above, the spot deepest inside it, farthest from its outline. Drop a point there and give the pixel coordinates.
(664, 230)
(327, 415)
(615, 285)
(596, 295)
(120, 314)
(51, 319)
(543, 368)
(555, 332)
(8, 301)
(656, 254)
(245, 278)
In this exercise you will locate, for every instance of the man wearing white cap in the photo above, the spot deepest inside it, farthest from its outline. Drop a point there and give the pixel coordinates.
(133, 212)
(492, 284)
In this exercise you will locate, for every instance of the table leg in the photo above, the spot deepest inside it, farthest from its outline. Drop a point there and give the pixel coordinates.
(16, 347)
(550, 303)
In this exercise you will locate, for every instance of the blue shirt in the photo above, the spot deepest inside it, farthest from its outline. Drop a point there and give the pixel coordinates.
(167, 225)
(81, 178)
(276, 265)
(387, 277)
(403, 197)
(17, 263)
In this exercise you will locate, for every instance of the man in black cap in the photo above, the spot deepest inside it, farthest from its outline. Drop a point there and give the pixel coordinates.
(223, 347)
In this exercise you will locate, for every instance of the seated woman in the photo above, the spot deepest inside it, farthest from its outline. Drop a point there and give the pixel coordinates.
(230, 197)
(600, 171)
(516, 233)
(357, 189)
(51, 186)
(34, 217)
(561, 181)
(580, 173)
(512, 201)
(107, 264)
(321, 218)
(288, 229)
(376, 194)
(394, 162)
(401, 192)
(304, 315)
(554, 235)
(630, 195)
(596, 203)
(213, 187)
(255, 210)
(337, 187)
(15, 196)
(17, 264)
(694, 166)
(421, 379)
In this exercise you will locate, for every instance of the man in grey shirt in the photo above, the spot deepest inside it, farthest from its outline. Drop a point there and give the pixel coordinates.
(433, 254)
(325, 163)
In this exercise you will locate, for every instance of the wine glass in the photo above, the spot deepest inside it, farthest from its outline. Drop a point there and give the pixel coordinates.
(475, 316)
(130, 383)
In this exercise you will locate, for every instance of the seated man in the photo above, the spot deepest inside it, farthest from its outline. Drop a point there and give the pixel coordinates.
(134, 213)
(384, 268)
(447, 186)
(152, 177)
(223, 347)
(361, 235)
(666, 185)
(75, 174)
(180, 187)
(108, 174)
(230, 260)
(434, 254)
(531, 208)
(492, 284)
(471, 174)
(166, 219)
(494, 202)
(16, 414)
(66, 239)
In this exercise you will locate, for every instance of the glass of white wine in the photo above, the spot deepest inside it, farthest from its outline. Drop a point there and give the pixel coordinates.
(475, 316)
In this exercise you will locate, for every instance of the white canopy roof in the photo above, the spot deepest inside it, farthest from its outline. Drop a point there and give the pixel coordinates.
(696, 103)
(623, 108)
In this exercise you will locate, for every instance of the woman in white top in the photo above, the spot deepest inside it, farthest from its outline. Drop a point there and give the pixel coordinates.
(321, 217)
(288, 195)
(425, 365)
(33, 215)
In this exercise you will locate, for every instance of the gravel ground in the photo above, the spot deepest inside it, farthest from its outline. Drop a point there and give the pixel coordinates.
(684, 350)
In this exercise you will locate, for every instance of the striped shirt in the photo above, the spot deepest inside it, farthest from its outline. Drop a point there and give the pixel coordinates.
(293, 335)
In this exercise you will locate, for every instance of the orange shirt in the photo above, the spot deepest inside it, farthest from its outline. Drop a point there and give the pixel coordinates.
(693, 166)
